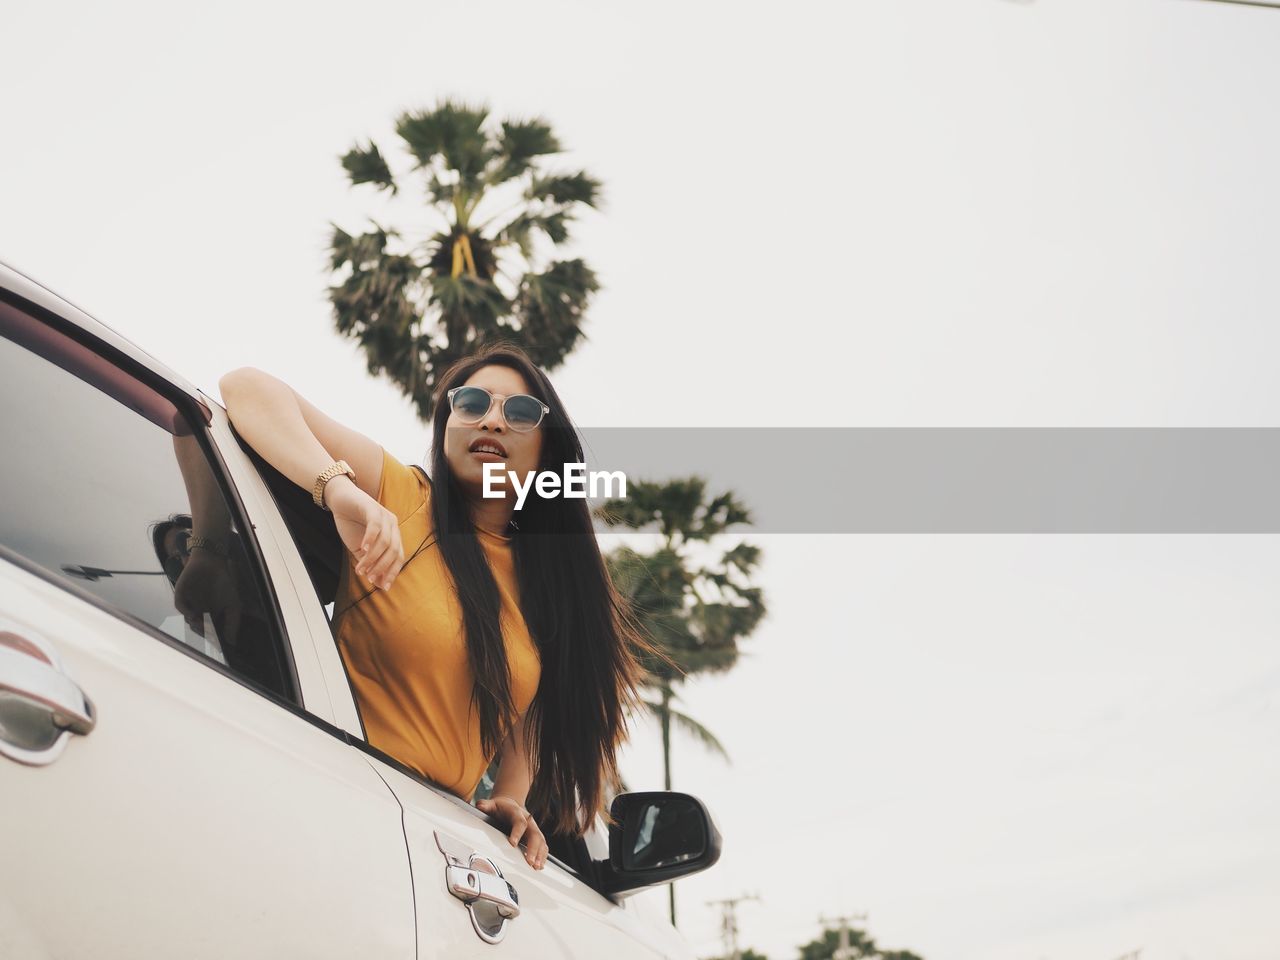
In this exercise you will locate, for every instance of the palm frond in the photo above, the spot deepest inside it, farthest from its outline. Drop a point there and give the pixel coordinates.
(693, 728)
(521, 228)
(454, 132)
(744, 557)
(551, 307)
(565, 189)
(367, 165)
(520, 142)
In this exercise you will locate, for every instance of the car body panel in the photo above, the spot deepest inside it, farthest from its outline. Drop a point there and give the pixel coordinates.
(561, 916)
(199, 818)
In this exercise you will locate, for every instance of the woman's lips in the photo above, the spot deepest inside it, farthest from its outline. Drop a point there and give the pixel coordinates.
(488, 450)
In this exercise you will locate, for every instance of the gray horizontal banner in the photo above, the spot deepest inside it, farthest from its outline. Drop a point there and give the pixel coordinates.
(968, 480)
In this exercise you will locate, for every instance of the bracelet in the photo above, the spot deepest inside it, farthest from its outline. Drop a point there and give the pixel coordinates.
(331, 471)
(208, 543)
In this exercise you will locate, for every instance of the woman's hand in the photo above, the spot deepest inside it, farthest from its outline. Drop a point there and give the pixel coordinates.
(521, 825)
(368, 529)
(207, 585)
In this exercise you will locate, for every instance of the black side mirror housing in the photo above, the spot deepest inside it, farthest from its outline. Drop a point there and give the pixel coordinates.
(657, 837)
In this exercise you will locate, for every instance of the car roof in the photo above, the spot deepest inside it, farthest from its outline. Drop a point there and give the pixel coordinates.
(28, 289)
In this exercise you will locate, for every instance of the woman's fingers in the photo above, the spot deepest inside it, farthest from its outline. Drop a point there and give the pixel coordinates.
(519, 823)
(373, 544)
(393, 560)
(397, 549)
(522, 827)
(379, 558)
(371, 529)
(535, 846)
(181, 603)
(383, 556)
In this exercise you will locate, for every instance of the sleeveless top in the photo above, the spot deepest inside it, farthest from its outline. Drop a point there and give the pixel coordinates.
(405, 648)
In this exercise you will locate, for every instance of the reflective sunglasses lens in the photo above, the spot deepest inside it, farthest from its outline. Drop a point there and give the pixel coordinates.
(522, 412)
(470, 403)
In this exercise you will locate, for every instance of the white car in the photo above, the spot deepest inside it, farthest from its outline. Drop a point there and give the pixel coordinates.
(187, 787)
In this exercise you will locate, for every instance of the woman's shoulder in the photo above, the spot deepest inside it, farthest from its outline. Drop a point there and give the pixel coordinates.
(404, 489)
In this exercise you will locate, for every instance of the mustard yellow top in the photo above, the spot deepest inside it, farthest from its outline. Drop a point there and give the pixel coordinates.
(405, 648)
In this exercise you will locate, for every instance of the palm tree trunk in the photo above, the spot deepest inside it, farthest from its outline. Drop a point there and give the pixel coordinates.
(666, 737)
(666, 768)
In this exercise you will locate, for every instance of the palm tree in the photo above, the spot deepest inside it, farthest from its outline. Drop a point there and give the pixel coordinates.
(487, 269)
(695, 613)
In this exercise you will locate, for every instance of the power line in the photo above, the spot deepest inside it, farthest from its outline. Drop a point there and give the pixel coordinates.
(1249, 3)
(844, 951)
(729, 922)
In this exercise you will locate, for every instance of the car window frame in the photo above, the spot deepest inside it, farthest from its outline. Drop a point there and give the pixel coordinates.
(68, 337)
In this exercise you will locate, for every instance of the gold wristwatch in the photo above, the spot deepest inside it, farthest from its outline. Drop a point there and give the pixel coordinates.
(212, 544)
(331, 471)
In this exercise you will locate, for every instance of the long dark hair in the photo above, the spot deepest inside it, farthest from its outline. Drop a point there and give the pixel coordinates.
(586, 636)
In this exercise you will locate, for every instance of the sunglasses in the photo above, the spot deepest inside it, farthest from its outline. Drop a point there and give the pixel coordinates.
(472, 404)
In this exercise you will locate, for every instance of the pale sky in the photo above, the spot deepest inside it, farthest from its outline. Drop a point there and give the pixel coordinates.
(929, 213)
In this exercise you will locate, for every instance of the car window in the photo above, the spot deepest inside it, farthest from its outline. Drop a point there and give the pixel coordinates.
(109, 485)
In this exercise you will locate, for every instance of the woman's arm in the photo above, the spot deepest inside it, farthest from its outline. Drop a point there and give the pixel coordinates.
(292, 435)
(207, 583)
(515, 776)
(300, 441)
(209, 515)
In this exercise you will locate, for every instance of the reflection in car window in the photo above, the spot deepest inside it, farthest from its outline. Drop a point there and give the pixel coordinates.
(311, 527)
(115, 494)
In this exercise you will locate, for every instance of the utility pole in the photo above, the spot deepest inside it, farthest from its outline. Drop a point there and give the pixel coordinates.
(729, 923)
(844, 951)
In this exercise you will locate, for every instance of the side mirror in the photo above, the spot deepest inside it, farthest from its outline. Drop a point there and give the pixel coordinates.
(655, 838)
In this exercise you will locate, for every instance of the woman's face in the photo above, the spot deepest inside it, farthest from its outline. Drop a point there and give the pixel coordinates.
(177, 550)
(517, 452)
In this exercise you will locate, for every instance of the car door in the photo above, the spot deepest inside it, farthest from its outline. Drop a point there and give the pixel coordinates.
(560, 915)
(173, 781)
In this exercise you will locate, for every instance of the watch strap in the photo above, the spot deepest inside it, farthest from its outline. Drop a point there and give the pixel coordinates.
(334, 469)
(212, 544)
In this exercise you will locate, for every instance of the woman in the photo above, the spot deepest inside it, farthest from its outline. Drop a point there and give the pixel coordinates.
(500, 635)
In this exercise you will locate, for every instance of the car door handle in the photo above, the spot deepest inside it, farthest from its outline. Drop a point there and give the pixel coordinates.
(43, 706)
(476, 880)
(469, 884)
